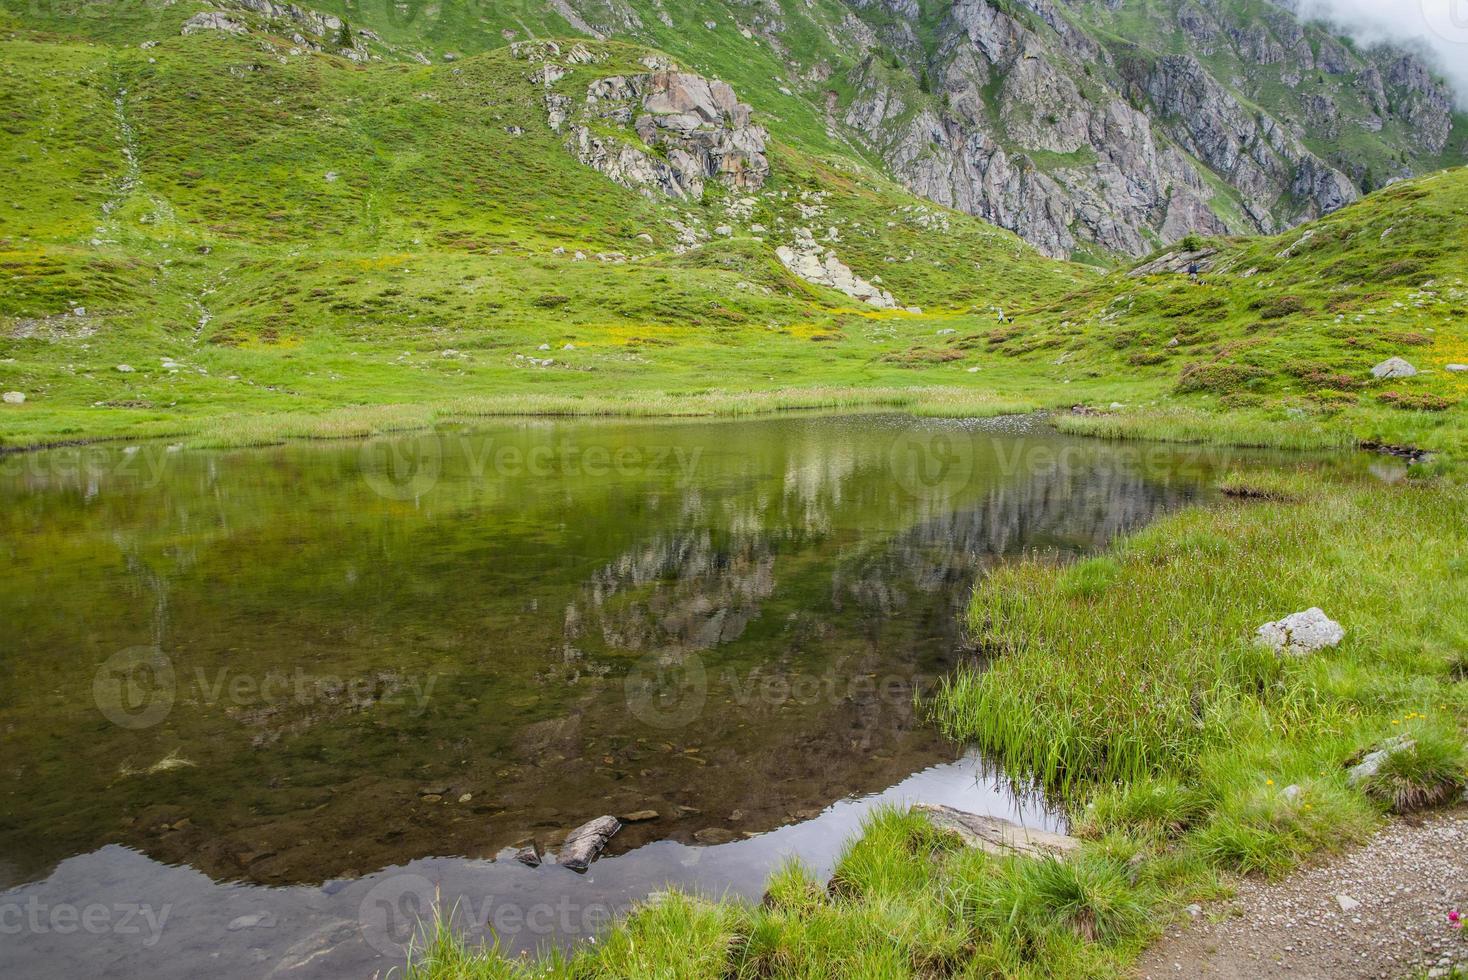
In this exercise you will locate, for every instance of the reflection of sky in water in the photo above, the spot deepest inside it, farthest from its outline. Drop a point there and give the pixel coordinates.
(339, 929)
(766, 554)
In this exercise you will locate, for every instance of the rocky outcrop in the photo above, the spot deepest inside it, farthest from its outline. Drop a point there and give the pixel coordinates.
(212, 20)
(1073, 138)
(1199, 260)
(815, 264)
(681, 130)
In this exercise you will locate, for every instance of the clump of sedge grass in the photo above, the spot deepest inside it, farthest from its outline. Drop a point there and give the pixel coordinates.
(1428, 773)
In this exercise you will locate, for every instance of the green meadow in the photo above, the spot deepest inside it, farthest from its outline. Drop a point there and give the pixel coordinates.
(214, 241)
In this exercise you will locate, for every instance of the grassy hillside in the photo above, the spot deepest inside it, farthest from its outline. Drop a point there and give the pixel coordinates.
(1281, 333)
(257, 232)
(283, 242)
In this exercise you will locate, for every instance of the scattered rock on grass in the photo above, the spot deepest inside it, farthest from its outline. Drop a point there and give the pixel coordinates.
(1393, 367)
(1371, 762)
(995, 835)
(1301, 633)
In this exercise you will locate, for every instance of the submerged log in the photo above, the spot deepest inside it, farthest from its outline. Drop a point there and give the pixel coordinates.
(995, 835)
(585, 842)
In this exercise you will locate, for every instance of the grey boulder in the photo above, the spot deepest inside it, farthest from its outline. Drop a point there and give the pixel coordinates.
(1301, 633)
(584, 843)
(1393, 367)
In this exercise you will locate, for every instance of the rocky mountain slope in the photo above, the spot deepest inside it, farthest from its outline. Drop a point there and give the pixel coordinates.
(239, 207)
(1089, 127)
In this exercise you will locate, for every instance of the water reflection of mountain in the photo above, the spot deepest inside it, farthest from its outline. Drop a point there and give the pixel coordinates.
(692, 590)
(791, 563)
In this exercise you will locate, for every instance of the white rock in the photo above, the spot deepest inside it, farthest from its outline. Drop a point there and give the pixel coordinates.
(1301, 633)
(13, 398)
(125, 368)
(266, 919)
(543, 347)
(1458, 368)
(1347, 903)
(1393, 367)
(723, 230)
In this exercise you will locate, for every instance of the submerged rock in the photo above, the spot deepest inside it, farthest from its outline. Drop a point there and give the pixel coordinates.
(995, 835)
(1301, 633)
(585, 842)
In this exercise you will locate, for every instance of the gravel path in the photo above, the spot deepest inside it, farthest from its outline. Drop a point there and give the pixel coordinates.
(1403, 884)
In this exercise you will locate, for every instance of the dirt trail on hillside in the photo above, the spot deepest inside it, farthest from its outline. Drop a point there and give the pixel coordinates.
(1405, 881)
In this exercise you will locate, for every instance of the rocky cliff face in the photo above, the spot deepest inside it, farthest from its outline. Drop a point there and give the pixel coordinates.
(664, 133)
(1086, 126)
(1041, 121)
(1098, 125)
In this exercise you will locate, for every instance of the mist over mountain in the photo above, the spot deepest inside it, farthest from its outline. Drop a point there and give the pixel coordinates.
(1437, 27)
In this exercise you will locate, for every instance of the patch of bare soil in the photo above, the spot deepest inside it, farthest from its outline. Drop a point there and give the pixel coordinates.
(1379, 911)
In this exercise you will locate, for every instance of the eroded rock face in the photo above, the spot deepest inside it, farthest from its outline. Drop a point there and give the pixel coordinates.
(1071, 138)
(212, 20)
(698, 126)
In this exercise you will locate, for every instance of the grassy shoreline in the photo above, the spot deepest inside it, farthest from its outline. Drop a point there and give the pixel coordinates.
(1171, 423)
(1128, 687)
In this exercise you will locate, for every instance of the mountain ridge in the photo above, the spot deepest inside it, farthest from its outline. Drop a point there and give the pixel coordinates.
(1091, 128)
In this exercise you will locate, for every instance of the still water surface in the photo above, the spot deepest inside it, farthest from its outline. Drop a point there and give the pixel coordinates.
(259, 707)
